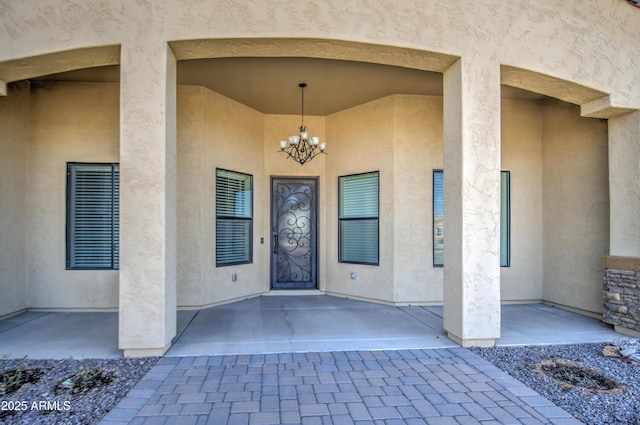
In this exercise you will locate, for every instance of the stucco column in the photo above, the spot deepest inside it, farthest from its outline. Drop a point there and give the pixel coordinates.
(472, 202)
(624, 185)
(147, 314)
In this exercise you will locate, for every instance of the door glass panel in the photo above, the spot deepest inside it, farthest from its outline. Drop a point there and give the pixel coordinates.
(293, 232)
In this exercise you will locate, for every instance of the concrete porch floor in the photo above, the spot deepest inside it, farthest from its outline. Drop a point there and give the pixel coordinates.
(274, 324)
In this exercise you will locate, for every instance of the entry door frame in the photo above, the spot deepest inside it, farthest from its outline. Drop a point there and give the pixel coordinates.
(273, 226)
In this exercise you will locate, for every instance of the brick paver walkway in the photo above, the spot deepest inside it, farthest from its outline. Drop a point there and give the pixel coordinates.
(439, 386)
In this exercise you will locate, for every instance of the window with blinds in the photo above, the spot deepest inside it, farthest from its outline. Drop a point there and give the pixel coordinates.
(92, 216)
(438, 218)
(234, 218)
(358, 218)
(505, 218)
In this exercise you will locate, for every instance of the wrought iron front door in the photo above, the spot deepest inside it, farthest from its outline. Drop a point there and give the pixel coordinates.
(293, 233)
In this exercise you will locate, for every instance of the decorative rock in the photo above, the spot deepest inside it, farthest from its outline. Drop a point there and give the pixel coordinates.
(628, 352)
(588, 408)
(611, 351)
(67, 383)
(87, 407)
(614, 296)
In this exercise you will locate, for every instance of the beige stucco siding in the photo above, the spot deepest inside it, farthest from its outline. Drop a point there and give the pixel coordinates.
(232, 139)
(68, 123)
(418, 151)
(587, 42)
(557, 160)
(521, 154)
(215, 132)
(575, 207)
(568, 207)
(362, 140)
(14, 117)
(190, 130)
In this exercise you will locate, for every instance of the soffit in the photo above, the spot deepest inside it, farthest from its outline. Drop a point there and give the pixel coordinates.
(90, 58)
(270, 85)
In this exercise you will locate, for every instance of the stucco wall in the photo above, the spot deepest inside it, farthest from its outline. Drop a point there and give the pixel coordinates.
(68, 123)
(190, 240)
(406, 132)
(596, 49)
(575, 201)
(14, 125)
(214, 131)
(521, 154)
(559, 188)
(78, 123)
(418, 151)
(232, 139)
(591, 43)
(362, 140)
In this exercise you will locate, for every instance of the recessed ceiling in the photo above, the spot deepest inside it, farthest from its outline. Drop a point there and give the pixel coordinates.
(270, 85)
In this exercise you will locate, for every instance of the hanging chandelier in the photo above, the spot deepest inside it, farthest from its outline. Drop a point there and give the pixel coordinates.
(302, 148)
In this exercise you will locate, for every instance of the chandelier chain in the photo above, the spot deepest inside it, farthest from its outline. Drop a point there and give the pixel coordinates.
(302, 127)
(302, 148)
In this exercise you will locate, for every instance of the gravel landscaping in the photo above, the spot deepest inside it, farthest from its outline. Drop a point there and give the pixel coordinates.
(607, 405)
(78, 392)
(596, 389)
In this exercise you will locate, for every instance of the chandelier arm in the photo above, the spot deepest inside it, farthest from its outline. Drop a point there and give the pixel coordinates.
(302, 148)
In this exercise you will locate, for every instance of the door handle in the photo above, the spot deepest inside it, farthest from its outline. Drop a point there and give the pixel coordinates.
(275, 243)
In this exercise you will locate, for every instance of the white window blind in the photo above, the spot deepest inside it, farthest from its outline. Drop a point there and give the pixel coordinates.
(358, 218)
(92, 216)
(234, 217)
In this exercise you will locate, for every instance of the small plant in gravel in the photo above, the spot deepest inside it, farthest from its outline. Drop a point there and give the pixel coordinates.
(569, 375)
(12, 379)
(87, 378)
(94, 387)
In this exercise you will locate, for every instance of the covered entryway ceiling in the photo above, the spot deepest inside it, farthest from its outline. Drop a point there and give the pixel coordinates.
(270, 85)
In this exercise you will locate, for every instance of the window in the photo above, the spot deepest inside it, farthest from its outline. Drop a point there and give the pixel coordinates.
(92, 216)
(505, 218)
(358, 218)
(234, 218)
(438, 218)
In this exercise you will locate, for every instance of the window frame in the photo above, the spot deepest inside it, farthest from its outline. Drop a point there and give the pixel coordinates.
(433, 217)
(505, 192)
(227, 217)
(340, 220)
(115, 230)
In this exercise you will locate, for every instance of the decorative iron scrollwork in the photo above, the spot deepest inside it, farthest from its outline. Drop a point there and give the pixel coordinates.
(292, 240)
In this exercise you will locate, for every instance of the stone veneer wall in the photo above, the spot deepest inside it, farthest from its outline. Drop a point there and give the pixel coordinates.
(622, 293)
